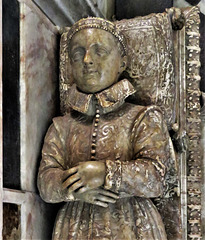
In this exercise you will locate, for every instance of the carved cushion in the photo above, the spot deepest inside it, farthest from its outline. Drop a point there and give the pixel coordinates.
(150, 66)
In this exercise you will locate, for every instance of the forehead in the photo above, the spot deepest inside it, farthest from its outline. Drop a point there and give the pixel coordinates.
(89, 36)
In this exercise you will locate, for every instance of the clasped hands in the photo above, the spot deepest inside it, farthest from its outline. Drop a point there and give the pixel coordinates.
(84, 182)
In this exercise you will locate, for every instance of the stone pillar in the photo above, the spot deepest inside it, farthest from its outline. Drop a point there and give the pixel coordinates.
(201, 4)
(1, 136)
(203, 170)
(31, 73)
(38, 87)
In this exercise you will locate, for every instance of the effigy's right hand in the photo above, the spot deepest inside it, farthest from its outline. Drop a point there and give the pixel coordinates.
(98, 197)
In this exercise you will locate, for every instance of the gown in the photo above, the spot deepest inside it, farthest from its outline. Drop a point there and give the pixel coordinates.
(132, 141)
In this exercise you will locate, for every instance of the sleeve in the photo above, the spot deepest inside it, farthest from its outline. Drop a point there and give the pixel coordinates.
(52, 166)
(143, 175)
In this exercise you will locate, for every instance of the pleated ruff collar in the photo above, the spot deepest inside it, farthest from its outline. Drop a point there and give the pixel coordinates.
(108, 100)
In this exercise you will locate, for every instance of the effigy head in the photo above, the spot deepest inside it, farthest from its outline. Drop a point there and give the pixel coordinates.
(99, 23)
(97, 51)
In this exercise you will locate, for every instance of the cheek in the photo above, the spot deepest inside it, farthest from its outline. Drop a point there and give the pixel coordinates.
(76, 69)
(114, 66)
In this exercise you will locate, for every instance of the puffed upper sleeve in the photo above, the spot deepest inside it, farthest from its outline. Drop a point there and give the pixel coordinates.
(143, 175)
(52, 166)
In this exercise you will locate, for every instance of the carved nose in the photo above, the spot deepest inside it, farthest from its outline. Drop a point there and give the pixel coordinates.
(88, 58)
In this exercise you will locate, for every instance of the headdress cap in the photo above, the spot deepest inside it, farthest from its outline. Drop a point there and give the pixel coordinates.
(99, 23)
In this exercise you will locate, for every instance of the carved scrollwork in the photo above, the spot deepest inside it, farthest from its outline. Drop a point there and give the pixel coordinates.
(194, 161)
(66, 79)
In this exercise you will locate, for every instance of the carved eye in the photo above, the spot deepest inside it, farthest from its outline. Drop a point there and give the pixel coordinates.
(77, 55)
(100, 51)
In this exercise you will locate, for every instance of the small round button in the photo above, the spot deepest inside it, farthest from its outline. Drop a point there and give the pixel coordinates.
(93, 145)
(94, 134)
(93, 151)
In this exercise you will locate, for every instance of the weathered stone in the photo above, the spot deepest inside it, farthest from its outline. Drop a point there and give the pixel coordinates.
(130, 8)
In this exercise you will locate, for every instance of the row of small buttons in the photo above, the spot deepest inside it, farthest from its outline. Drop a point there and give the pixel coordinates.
(94, 135)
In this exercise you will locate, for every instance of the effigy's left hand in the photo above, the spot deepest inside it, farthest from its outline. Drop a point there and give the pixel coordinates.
(89, 175)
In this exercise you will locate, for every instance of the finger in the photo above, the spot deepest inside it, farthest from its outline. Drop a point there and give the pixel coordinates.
(75, 186)
(99, 203)
(105, 199)
(69, 172)
(82, 190)
(70, 181)
(108, 193)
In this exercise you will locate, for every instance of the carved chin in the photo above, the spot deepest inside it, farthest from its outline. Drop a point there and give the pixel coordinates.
(90, 85)
(93, 75)
(91, 79)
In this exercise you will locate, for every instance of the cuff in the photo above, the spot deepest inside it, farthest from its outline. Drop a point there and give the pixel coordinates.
(113, 177)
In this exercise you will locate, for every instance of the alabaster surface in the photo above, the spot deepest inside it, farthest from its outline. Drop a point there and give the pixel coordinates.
(38, 80)
(110, 158)
(107, 157)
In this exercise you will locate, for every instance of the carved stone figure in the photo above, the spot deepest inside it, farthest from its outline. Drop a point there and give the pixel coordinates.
(107, 157)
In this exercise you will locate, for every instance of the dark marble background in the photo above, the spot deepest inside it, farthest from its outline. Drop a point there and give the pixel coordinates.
(11, 106)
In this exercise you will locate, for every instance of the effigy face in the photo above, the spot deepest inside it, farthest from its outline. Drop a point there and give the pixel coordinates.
(95, 59)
